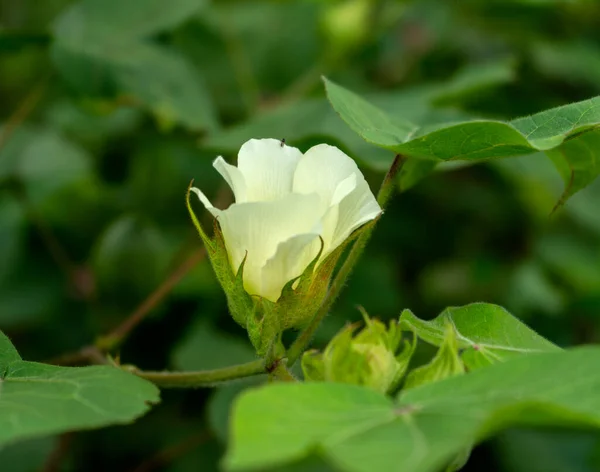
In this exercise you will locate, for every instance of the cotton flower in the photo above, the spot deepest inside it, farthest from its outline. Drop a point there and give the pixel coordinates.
(288, 207)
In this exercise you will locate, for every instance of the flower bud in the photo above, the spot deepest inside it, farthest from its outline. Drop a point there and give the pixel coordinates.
(275, 248)
(370, 358)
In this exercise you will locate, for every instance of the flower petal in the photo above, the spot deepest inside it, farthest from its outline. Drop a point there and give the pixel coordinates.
(268, 167)
(233, 177)
(257, 228)
(206, 202)
(322, 169)
(355, 210)
(290, 260)
(336, 178)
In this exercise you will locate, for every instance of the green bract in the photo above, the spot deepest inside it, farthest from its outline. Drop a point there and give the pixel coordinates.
(370, 358)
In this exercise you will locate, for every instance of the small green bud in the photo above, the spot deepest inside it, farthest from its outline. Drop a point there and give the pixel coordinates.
(375, 357)
(446, 363)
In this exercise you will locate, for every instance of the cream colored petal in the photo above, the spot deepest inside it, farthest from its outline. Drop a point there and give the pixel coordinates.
(290, 260)
(335, 176)
(206, 202)
(268, 168)
(344, 188)
(259, 227)
(355, 210)
(233, 177)
(330, 219)
(322, 169)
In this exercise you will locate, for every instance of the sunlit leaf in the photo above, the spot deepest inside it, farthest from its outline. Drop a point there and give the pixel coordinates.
(360, 430)
(477, 140)
(487, 332)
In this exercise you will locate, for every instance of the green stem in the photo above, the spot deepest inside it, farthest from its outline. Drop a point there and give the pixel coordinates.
(203, 378)
(385, 192)
(282, 373)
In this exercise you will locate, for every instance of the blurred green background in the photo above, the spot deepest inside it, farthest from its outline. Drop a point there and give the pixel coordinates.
(109, 108)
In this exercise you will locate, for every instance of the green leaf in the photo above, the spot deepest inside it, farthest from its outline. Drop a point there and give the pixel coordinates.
(359, 430)
(578, 162)
(576, 62)
(205, 348)
(130, 257)
(8, 353)
(475, 140)
(487, 332)
(102, 50)
(115, 22)
(473, 79)
(27, 456)
(574, 262)
(45, 161)
(219, 405)
(38, 399)
(446, 363)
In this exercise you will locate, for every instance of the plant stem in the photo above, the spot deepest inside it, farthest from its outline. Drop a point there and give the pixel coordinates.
(24, 109)
(120, 333)
(385, 192)
(203, 378)
(281, 373)
(85, 356)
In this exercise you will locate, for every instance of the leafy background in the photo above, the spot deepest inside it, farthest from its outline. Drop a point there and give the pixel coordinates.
(110, 108)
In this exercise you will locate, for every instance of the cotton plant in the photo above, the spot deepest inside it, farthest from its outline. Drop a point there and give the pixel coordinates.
(274, 249)
(409, 395)
(406, 395)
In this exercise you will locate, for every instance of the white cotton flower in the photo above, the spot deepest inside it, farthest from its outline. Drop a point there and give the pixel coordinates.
(285, 203)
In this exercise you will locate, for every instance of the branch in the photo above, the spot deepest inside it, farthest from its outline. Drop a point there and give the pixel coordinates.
(202, 378)
(23, 110)
(121, 332)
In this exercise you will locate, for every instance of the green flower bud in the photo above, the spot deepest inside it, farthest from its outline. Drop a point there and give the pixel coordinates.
(375, 357)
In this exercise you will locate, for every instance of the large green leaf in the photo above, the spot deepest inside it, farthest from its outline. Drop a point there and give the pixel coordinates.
(39, 399)
(476, 140)
(487, 333)
(102, 49)
(114, 21)
(360, 430)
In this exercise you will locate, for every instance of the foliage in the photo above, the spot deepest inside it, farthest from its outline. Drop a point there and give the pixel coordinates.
(110, 109)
